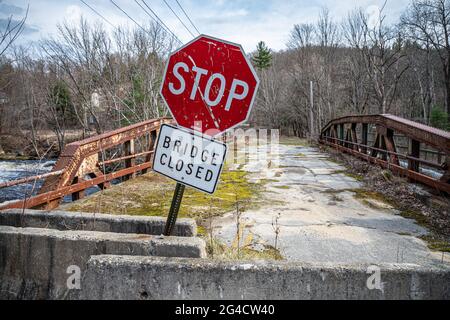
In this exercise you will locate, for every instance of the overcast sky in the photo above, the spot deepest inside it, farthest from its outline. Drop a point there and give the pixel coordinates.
(242, 21)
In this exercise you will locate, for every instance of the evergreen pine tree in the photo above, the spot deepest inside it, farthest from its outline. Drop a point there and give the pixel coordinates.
(263, 57)
(439, 118)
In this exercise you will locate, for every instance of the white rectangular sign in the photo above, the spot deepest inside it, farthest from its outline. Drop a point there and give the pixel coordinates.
(189, 158)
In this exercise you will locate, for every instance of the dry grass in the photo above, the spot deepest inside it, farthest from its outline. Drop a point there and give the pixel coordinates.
(219, 251)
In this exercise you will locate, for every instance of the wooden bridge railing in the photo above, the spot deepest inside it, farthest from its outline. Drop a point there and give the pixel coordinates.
(350, 134)
(93, 162)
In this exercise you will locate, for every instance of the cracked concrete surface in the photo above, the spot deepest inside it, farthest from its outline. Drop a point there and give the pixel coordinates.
(319, 217)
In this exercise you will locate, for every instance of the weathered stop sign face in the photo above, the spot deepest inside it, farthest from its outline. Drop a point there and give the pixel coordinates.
(209, 85)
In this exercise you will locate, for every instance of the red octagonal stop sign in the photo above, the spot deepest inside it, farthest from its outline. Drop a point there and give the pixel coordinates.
(209, 85)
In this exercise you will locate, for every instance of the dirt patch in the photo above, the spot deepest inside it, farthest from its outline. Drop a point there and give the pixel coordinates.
(293, 141)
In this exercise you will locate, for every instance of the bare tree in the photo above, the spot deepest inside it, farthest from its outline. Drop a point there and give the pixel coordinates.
(421, 61)
(357, 91)
(302, 35)
(383, 56)
(428, 23)
(11, 32)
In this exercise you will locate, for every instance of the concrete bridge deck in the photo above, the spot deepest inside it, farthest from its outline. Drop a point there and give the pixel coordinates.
(323, 215)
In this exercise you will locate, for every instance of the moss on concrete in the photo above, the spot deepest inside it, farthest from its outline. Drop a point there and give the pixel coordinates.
(411, 214)
(264, 181)
(201, 231)
(282, 187)
(355, 176)
(436, 244)
(151, 195)
(364, 194)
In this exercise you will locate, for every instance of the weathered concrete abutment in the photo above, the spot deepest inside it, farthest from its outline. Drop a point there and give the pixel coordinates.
(65, 220)
(40, 254)
(36, 262)
(126, 277)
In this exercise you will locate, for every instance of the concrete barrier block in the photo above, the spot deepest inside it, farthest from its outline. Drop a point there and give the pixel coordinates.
(66, 220)
(125, 277)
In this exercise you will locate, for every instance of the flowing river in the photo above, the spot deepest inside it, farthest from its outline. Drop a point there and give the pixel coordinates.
(16, 169)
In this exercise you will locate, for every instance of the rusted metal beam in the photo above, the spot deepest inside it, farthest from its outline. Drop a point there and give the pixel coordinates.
(416, 176)
(390, 146)
(388, 126)
(354, 136)
(152, 136)
(426, 162)
(74, 153)
(30, 179)
(414, 152)
(446, 167)
(50, 196)
(437, 138)
(364, 136)
(129, 150)
(106, 162)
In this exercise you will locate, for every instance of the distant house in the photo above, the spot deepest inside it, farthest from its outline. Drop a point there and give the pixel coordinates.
(3, 98)
(95, 105)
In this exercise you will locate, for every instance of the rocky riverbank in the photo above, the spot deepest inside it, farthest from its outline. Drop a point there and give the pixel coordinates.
(19, 146)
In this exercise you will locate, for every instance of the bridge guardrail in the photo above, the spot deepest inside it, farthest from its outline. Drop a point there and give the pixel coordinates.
(341, 133)
(88, 158)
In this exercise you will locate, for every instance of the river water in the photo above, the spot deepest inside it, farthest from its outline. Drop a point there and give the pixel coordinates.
(16, 169)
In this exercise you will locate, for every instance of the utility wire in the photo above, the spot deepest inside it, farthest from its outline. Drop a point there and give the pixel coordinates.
(158, 21)
(178, 18)
(187, 16)
(98, 14)
(157, 17)
(115, 4)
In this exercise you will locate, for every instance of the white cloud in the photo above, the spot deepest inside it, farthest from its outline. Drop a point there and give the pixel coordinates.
(373, 14)
(237, 13)
(73, 13)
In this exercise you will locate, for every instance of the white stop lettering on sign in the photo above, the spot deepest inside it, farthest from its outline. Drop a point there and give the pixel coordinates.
(236, 85)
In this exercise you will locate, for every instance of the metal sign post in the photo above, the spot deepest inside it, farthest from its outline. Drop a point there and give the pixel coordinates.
(174, 208)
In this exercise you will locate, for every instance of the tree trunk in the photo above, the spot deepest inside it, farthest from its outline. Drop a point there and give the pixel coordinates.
(447, 97)
(447, 86)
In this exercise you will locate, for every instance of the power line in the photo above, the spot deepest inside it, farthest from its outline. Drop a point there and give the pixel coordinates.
(178, 18)
(98, 14)
(158, 21)
(187, 16)
(157, 17)
(143, 29)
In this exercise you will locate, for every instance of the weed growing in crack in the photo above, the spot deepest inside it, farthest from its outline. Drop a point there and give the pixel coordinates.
(276, 229)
